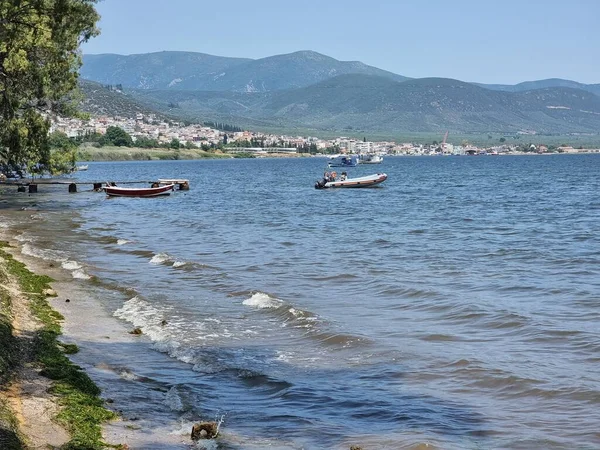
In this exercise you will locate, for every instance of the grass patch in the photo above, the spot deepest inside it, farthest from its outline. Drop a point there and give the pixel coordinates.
(90, 153)
(82, 412)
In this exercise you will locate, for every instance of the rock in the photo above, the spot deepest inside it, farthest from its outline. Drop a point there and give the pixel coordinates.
(67, 300)
(355, 447)
(205, 430)
(136, 330)
(49, 293)
(163, 322)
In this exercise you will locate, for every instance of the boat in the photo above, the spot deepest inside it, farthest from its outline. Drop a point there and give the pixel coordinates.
(154, 191)
(343, 161)
(370, 158)
(360, 182)
(82, 167)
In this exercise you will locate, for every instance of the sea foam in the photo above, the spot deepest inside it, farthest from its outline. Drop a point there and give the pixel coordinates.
(262, 300)
(160, 258)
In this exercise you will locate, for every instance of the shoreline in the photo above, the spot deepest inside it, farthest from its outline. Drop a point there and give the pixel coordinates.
(100, 347)
(48, 400)
(117, 154)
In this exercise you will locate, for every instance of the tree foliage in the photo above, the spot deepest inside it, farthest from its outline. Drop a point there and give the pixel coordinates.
(39, 59)
(63, 153)
(116, 136)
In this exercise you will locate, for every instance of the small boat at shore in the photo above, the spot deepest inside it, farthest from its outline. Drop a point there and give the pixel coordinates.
(360, 182)
(155, 191)
(81, 167)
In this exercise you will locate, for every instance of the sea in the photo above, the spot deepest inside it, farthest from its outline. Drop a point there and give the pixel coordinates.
(455, 306)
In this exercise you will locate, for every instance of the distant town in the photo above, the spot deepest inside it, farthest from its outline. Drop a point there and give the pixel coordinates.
(172, 134)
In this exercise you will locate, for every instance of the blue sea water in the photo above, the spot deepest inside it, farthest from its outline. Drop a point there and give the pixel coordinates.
(457, 305)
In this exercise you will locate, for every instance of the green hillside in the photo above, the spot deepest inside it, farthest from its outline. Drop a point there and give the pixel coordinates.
(106, 100)
(378, 104)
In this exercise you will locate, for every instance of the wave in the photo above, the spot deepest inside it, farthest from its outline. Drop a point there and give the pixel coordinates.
(29, 249)
(160, 258)
(261, 300)
(292, 317)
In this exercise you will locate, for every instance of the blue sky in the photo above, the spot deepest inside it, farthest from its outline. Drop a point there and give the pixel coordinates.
(502, 41)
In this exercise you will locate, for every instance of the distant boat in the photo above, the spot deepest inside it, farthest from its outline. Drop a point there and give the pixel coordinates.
(82, 167)
(116, 191)
(343, 161)
(370, 158)
(360, 182)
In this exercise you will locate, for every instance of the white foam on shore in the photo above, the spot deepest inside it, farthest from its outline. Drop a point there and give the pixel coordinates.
(28, 249)
(142, 314)
(76, 269)
(80, 274)
(160, 258)
(261, 300)
(122, 241)
(71, 265)
(177, 264)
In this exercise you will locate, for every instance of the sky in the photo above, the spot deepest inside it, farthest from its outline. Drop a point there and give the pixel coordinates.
(486, 41)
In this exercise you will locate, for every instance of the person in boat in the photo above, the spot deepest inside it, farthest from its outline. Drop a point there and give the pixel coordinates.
(343, 176)
(333, 176)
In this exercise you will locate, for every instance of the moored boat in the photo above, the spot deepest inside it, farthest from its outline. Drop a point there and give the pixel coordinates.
(155, 191)
(360, 182)
(343, 161)
(370, 158)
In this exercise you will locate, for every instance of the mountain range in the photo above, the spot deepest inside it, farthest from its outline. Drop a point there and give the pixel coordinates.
(310, 90)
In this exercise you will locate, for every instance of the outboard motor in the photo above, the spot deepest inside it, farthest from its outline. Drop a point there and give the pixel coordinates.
(320, 184)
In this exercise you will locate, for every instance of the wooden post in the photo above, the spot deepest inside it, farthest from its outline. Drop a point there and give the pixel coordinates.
(21, 188)
(98, 187)
(32, 188)
(72, 187)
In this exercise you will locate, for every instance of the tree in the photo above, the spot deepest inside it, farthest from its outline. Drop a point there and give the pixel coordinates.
(39, 62)
(146, 142)
(63, 153)
(502, 139)
(175, 143)
(116, 136)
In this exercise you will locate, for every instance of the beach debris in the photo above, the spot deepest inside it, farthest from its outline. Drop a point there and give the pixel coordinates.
(136, 331)
(49, 293)
(67, 300)
(205, 430)
(163, 322)
(355, 447)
